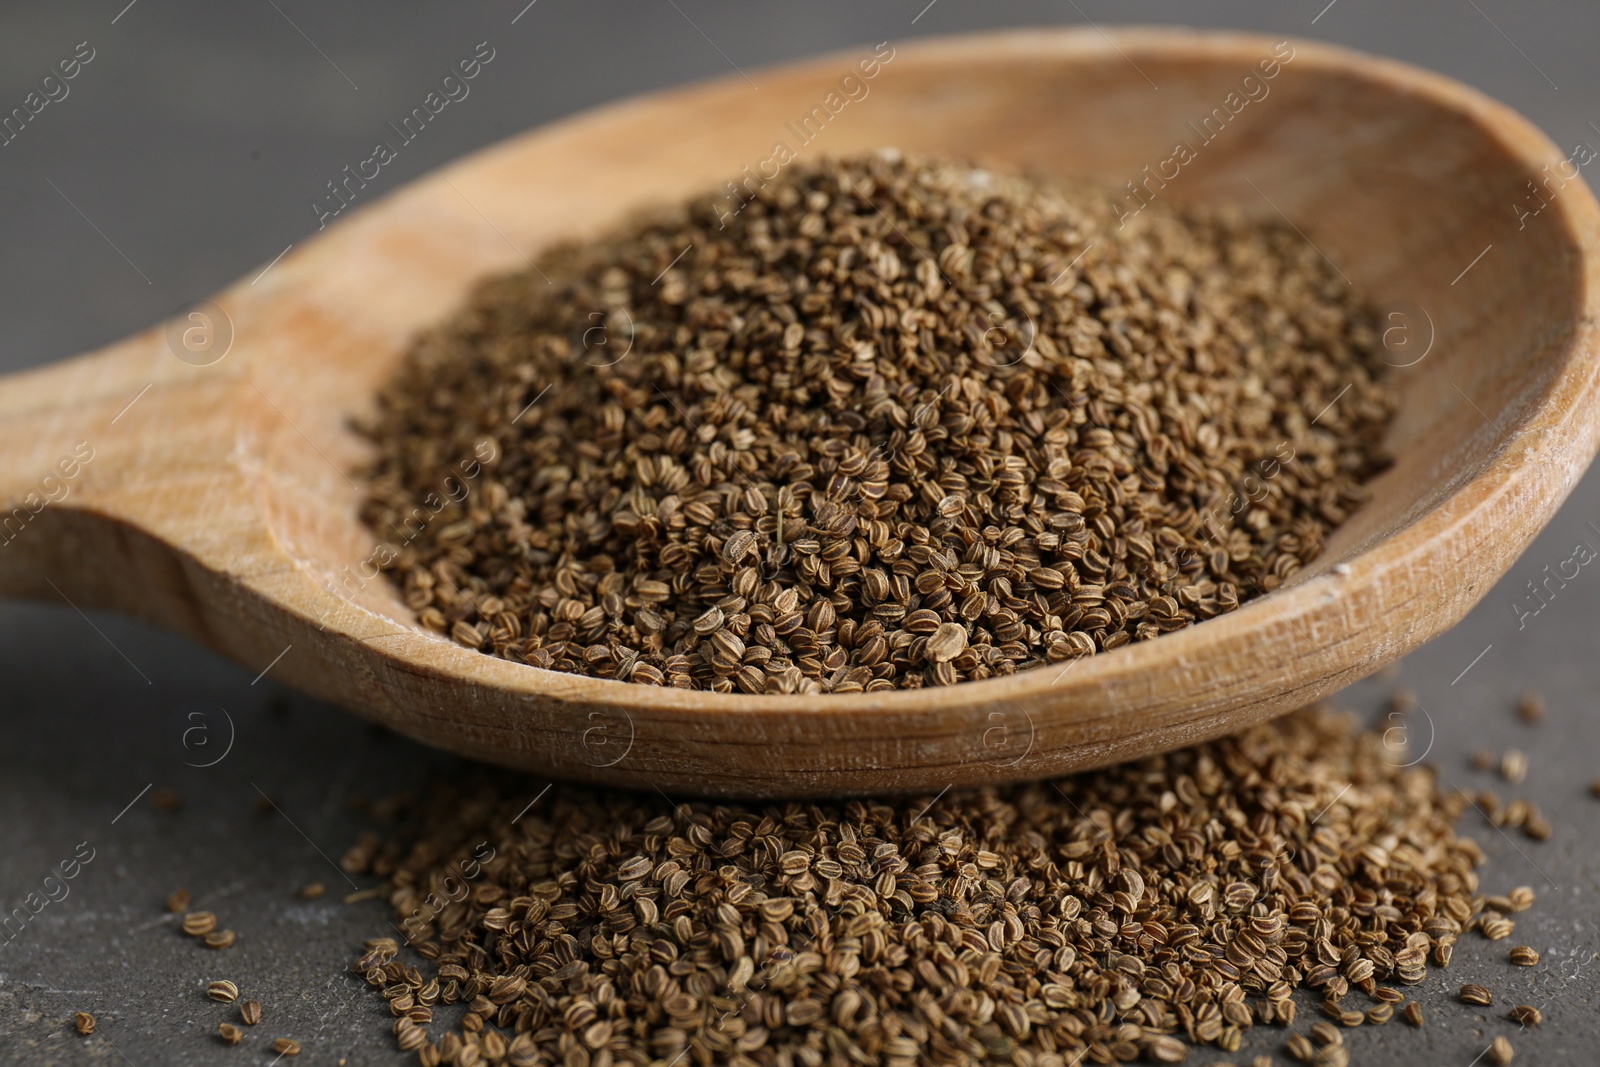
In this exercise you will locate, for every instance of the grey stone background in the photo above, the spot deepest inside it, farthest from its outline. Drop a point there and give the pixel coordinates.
(184, 157)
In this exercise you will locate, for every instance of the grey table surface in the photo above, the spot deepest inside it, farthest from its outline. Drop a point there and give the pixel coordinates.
(185, 156)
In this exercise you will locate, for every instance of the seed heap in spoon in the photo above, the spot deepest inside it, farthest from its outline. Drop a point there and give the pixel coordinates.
(1117, 914)
(892, 423)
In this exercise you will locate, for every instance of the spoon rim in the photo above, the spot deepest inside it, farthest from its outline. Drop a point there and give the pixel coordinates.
(1442, 528)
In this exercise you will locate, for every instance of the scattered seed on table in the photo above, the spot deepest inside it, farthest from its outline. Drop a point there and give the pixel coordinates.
(223, 990)
(1513, 766)
(84, 1022)
(313, 891)
(1482, 760)
(1168, 1050)
(1524, 956)
(285, 1047)
(1489, 801)
(1521, 898)
(220, 939)
(199, 923)
(229, 1033)
(1514, 815)
(1413, 1013)
(1402, 701)
(1380, 1014)
(178, 901)
(780, 902)
(1496, 927)
(1536, 827)
(1594, 788)
(1299, 1047)
(1500, 1051)
(409, 1036)
(250, 1012)
(1527, 1015)
(1476, 994)
(1530, 707)
(1325, 1034)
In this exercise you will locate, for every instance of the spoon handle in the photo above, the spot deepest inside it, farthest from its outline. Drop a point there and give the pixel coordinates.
(88, 447)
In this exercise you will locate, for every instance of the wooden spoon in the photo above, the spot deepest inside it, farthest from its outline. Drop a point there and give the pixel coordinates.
(219, 495)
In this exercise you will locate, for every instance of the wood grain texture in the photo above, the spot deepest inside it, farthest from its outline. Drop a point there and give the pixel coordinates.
(223, 503)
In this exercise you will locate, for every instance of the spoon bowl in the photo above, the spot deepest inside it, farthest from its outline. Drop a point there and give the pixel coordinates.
(203, 474)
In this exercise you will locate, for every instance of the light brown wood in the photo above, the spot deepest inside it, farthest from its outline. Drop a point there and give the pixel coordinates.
(222, 503)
